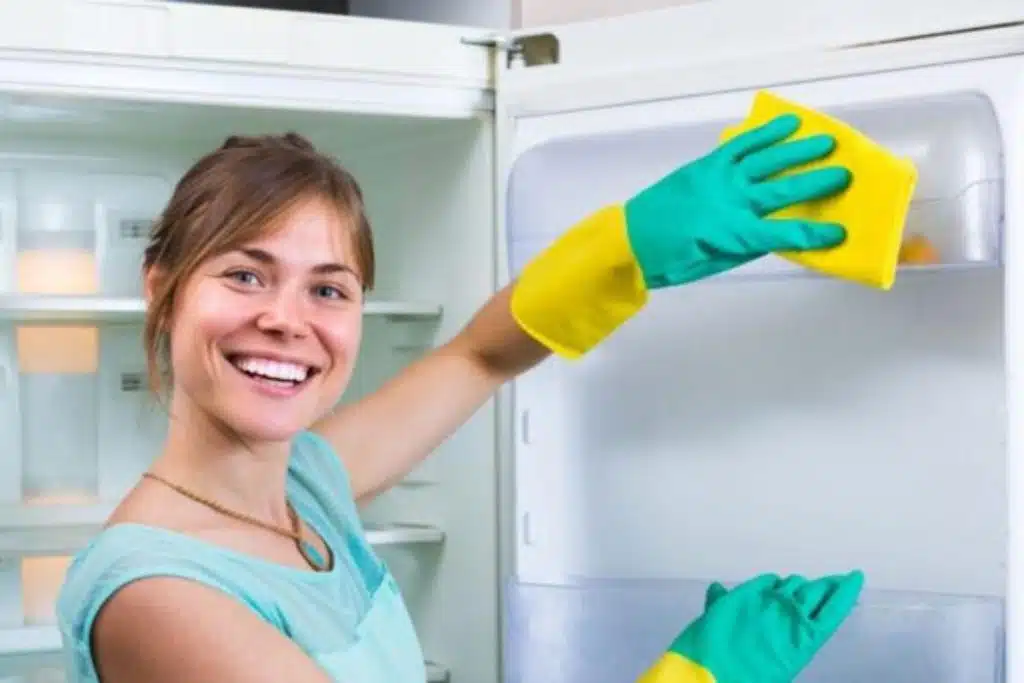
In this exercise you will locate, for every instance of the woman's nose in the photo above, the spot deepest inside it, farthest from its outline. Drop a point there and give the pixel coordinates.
(284, 315)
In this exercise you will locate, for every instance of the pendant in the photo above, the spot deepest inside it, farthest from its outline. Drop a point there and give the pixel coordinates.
(313, 556)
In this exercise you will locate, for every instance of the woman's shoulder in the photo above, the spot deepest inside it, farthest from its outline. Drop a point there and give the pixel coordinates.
(134, 582)
(127, 553)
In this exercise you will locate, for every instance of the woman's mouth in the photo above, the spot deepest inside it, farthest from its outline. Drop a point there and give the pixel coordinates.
(273, 373)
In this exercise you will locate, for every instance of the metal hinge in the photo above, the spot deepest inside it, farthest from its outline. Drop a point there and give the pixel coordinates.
(533, 50)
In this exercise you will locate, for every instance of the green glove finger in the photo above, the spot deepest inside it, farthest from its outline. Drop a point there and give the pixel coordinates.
(794, 235)
(715, 591)
(814, 595)
(776, 130)
(766, 163)
(789, 586)
(759, 584)
(771, 196)
(842, 601)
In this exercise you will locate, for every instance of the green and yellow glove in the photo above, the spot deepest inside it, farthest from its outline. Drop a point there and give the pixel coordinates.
(763, 631)
(703, 218)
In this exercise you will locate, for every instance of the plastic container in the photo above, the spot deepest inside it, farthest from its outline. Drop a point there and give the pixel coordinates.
(76, 233)
(610, 631)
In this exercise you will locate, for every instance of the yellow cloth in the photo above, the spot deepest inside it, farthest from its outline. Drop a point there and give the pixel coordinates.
(672, 667)
(582, 287)
(873, 209)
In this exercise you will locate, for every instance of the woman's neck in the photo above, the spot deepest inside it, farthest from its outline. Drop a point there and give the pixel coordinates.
(209, 460)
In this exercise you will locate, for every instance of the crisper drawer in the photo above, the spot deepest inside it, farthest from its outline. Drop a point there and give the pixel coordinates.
(610, 631)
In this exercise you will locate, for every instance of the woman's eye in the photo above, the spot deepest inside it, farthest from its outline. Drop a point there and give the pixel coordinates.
(330, 292)
(244, 277)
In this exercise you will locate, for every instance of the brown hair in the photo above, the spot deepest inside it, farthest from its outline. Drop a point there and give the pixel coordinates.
(230, 197)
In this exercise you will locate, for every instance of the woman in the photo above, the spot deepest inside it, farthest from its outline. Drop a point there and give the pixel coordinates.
(240, 556)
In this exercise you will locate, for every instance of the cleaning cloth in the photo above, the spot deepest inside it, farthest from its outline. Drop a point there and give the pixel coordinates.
(873, 209)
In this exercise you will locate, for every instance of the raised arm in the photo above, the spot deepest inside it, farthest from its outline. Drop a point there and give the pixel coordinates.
(384, 435)
(703, 218)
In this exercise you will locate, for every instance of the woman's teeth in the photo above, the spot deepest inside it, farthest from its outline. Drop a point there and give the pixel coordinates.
(289, 373)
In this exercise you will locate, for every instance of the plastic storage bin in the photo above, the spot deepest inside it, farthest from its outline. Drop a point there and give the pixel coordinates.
(610, 631)
(75, 233)
(954, 140)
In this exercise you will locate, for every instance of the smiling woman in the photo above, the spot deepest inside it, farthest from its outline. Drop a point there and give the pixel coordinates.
(240, 555)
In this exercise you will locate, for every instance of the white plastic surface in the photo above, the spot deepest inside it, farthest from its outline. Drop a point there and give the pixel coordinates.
(176, 52)
(799, 425)
(712, 47)
(953, 141)
(612, 631)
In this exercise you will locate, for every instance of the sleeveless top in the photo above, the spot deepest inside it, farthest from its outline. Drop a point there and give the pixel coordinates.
(351, 620)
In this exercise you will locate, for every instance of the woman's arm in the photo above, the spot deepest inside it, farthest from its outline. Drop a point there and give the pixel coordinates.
(703, 218)
(167, 630)
(386, 434)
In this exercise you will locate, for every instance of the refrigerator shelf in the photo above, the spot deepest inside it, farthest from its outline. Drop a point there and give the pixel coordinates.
(403, 534)
(47, 308)
(65, 529)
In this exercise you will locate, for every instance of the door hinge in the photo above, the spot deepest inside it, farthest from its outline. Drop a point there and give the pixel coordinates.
(532, 50)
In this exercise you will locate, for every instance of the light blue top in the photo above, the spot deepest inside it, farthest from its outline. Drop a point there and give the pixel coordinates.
(351, 620)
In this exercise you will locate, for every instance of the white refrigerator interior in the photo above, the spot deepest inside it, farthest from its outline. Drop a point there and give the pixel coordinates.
(770, 420)
(94, 134)
(77, 422)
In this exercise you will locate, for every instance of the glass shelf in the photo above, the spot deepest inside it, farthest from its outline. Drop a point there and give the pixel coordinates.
(56, 308)
(403, 534)
(55, 530)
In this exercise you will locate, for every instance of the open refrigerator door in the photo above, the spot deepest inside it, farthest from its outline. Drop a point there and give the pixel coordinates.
(770, 419)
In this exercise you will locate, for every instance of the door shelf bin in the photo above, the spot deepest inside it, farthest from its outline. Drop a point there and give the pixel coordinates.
(610, 631)
(954, 142)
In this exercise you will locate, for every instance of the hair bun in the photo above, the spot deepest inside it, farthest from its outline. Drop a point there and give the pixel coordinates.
(290, 139)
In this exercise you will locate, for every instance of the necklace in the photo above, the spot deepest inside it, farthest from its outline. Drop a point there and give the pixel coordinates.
(309, 553)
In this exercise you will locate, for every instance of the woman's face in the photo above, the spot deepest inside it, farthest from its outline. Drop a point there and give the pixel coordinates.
(264, 338)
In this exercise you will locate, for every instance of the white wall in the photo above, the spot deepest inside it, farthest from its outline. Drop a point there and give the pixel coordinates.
(539, 12)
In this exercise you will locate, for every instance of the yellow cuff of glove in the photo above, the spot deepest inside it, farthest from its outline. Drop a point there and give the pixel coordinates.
(582, 287)
(673, 668)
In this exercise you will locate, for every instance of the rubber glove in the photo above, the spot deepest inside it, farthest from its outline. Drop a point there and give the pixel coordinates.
(763, 631)
(705, 217)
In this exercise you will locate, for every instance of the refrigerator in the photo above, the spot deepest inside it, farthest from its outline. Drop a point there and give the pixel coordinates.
(765, 420)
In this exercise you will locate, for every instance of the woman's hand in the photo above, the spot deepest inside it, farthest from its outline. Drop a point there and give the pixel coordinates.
(705, 217)
(709, 216)
(766, 630)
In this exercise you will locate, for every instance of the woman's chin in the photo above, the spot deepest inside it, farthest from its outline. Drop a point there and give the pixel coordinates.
(266, 428)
